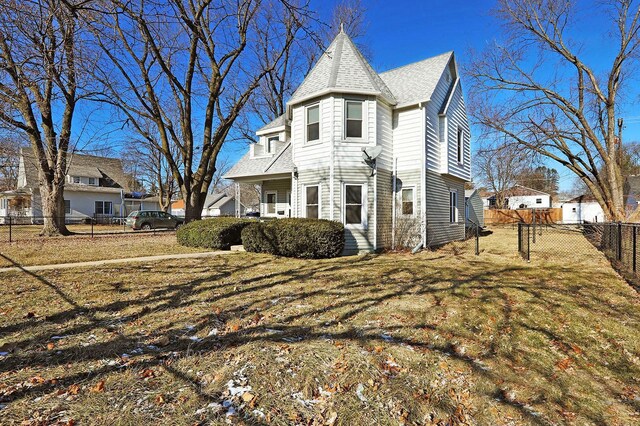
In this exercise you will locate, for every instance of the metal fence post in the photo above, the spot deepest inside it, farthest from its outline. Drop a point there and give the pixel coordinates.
(619, 248)
(634, 250)
(520, 238)
(529, 242)
(10, 229)
(533, 214)
(477, 239)
(91, 227)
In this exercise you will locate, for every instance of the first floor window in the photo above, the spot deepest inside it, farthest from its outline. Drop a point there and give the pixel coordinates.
(92, 181)
(104, 207)
(407, 201)
(271, 202)
(312, 200)
(67, 206)
(538, 200)
(76, 179)
(453, 206)
(313, 123)
(353, 204)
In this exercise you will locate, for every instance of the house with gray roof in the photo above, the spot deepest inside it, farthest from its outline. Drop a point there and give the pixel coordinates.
(95, 187)
(371, 150)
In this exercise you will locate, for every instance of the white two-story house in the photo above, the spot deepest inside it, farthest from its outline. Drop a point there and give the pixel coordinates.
(317, 160)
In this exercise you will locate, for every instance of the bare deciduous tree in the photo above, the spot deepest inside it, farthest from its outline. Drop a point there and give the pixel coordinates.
(9, 161)
(190, 67)
(537, 88)
(39, 52)
(498, 169)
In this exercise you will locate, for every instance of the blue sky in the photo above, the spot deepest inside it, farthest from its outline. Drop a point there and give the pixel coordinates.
(403, 31)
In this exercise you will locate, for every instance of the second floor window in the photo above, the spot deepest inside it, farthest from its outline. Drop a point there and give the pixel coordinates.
(353, 125)
(271, 144)
(313, 123)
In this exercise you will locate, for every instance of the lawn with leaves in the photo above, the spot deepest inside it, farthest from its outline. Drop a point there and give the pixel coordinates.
(442, 337)
(84, 248)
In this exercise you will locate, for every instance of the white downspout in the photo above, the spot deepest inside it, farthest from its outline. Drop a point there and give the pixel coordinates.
(331, 160)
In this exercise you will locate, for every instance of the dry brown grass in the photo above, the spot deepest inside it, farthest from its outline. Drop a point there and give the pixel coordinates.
(437, 338)
(84, 248)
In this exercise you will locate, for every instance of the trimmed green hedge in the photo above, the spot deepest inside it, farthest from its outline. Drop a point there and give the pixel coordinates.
(303, 238)
(218, 233)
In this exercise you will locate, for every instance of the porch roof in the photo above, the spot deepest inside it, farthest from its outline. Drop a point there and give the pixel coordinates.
(247, 167)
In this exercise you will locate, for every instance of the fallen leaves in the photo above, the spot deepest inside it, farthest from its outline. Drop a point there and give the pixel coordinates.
(564, 363)
(51, 346)
(99, 387)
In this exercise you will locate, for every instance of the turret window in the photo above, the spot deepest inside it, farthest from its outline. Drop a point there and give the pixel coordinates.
(313, 123)
(353, 121)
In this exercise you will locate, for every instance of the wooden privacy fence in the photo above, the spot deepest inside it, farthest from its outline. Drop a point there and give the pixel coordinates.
(506, 216)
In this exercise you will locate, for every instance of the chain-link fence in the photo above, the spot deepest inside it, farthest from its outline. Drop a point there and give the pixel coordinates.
(28, 228)
(618, 241)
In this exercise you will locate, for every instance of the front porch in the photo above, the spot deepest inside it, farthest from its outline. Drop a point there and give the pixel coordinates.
(15, 204)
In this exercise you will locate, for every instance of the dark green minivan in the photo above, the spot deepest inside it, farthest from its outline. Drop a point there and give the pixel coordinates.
(151, 219)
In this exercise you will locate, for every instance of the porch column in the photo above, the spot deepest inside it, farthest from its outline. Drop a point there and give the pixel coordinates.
(237, 199)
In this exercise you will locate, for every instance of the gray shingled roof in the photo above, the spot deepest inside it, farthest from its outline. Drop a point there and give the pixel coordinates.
(108, 170)
(416, 82)
(278, 122)
(342, 68)
(281, 162)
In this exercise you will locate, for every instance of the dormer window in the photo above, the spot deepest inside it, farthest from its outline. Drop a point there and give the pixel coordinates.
(76, 179)
(353, 119)
(271, 144)
(313, 123)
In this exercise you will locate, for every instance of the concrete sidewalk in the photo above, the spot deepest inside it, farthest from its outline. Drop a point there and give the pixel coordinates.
(36, 268)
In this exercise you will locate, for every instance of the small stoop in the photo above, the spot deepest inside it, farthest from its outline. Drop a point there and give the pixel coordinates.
(237, 248)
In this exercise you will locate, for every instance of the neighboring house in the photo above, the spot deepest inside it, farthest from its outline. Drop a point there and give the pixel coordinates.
(220, 205)
(94, 187)
(584, 208)
(473, 207)
(631, 191)
(520, 197)
(310, 161)
(214, 205)
(177, 208)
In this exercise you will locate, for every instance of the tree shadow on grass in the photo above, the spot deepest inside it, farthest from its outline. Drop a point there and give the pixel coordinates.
(346, 289)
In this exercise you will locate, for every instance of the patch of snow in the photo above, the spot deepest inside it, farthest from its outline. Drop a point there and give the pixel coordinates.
(258, 413)
(292, 339)
(298, 397)
(59, 337)
(195, 339)
(271, 330)
(4, 353)
(213, 332)
(237, 390)
(359, 391)
(386, 337)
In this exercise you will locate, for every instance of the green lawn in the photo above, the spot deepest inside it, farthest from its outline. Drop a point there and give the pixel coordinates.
(439, 338)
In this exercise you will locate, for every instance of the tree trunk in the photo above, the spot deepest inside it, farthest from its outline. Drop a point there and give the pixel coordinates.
(53, 211)
(193, 204)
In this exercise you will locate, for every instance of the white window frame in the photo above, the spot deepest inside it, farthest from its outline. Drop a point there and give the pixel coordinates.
(266, 203)
(344, 120)
(104, 203)
(460, 145)
(453, 207)
(304, 199)
(413, 188)
(306, 133)
(364, 212)
(269, 148)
